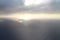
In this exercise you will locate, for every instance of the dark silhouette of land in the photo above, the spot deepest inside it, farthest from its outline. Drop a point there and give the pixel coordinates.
(33, 30)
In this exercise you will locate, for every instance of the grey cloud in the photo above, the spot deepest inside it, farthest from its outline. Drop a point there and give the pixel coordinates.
(9, 6)
(52, 7)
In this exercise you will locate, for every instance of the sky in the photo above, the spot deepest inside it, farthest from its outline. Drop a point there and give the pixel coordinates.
(42, 6)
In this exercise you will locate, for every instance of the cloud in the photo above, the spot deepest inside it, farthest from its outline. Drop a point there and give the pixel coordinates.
(7, 6)
(11, 6)
(52, 7)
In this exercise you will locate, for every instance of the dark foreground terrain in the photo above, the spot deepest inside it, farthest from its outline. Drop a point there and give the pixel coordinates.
(32, 30)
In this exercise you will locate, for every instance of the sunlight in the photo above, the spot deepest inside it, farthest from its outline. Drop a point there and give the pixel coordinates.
(25, 17)
(34, 2)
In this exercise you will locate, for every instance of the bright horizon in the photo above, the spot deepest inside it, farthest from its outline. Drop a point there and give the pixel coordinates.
(29, 16)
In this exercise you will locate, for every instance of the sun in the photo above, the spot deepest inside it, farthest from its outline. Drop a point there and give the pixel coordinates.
(34, 2)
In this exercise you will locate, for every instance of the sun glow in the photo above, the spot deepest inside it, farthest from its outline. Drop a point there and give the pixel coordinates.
(25, 17)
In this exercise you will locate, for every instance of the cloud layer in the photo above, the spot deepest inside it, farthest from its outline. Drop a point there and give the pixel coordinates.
(9, 6)
(52, 7)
